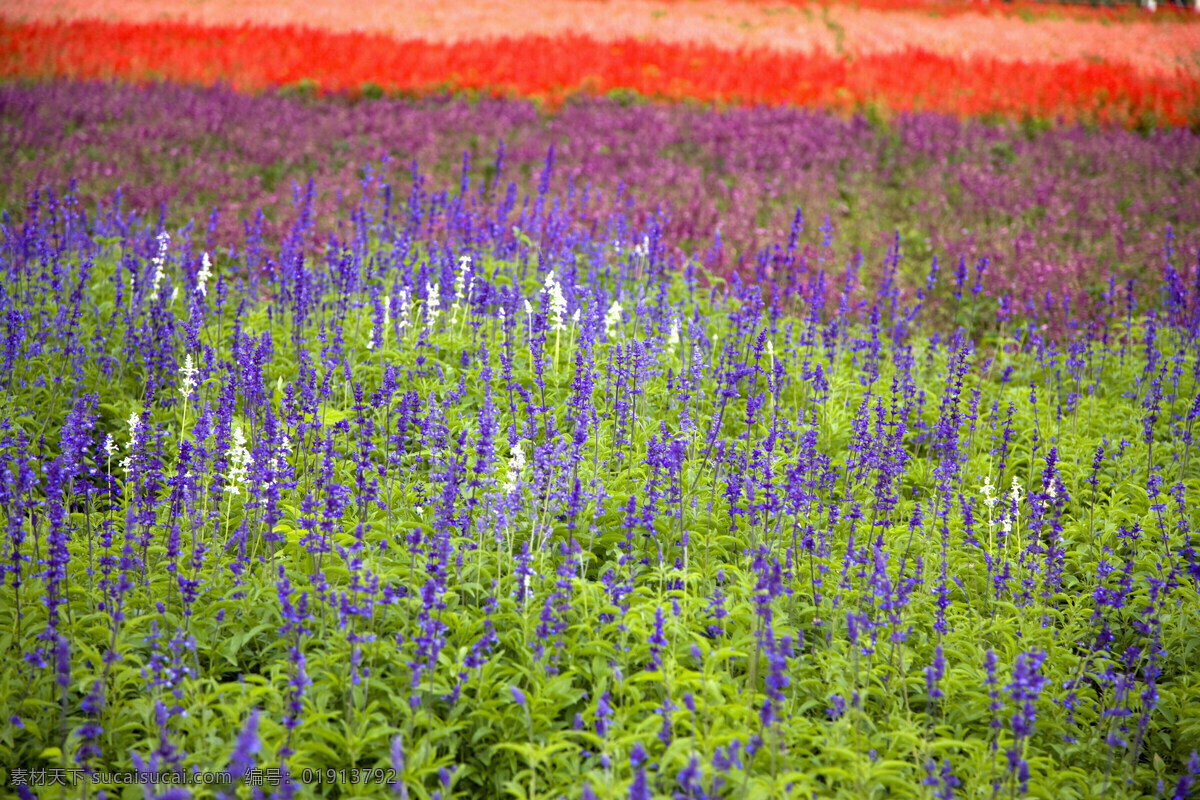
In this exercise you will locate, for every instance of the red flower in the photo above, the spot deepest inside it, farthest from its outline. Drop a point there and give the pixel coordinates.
(552, 68)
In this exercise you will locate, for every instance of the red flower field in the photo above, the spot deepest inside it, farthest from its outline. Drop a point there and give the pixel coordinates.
(554, 67)
(1157, 43)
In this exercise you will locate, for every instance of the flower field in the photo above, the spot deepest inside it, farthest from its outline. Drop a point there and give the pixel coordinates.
(504, 504)
(633, 400)
(1055, 210)
(552, 68)
(1030, 32)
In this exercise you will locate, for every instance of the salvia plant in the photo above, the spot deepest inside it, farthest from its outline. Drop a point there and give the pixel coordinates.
(477, 499)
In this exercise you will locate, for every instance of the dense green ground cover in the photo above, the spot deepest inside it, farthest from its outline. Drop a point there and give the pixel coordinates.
(495, 500)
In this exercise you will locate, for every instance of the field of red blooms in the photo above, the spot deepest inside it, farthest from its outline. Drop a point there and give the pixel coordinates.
(1093, 66)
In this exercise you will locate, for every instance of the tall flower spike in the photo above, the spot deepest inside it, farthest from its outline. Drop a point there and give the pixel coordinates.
(988, 491)
(188, 373)
(1015, 493)
(516, 463)
(203, 276)
(558, 303)
(387, 315)
(612, 319)
(239, 461)
(460, 283)
(529, 317)
(160, 262)
(462, 286)
(433, 303)
(642, 249)
(405, 312)
(135, 424)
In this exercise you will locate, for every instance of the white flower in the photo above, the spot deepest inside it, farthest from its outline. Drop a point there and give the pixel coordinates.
(433, 303)
(558, 303)
(203, 276)
(461, 283)
(110, 448)
(405, 310)
(989, 498)
(516, 463)
(160, 261)
(239, 461)
(673, 335)
(174, 294)
(612, 319)
(135, 424)
(642, 250)
(188, 372)
(387, 315)
(1015, 493)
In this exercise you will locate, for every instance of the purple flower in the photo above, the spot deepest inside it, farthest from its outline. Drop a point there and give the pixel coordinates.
(640, 789)
(603, 714)
(62, 654)
(246, 748)
(397, 758)
(1184, 787)
(934, 674)
(1026, 686)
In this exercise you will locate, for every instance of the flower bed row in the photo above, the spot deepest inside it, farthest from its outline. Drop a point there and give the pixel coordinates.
(553, 68)
(1056, 210)
(1154, 43)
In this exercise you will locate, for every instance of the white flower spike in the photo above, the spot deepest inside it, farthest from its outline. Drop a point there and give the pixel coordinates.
(203, 276)
(612, 319)
(188, 373)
